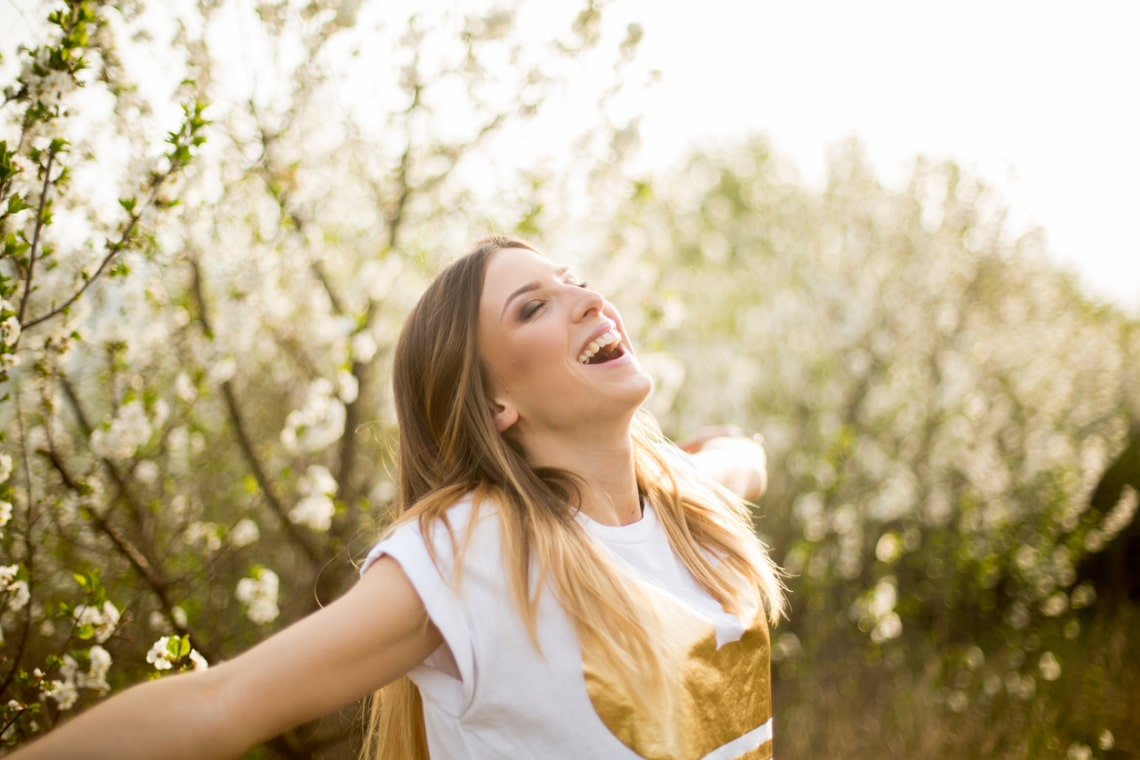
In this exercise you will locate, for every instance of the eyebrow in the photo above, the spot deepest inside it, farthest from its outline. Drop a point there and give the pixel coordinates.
(535, 285)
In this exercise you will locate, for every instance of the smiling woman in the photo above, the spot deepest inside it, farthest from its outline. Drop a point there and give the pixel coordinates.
(547, 400)
(561, 581)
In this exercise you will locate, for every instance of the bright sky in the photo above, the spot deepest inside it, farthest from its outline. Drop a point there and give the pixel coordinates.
(1040, 98)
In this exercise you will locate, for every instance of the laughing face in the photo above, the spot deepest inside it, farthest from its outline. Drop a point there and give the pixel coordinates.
(555, 354)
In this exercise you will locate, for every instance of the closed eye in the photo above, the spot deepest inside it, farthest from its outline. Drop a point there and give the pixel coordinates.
(529, 309)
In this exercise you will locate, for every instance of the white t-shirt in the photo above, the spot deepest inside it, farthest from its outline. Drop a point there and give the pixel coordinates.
(501, 698)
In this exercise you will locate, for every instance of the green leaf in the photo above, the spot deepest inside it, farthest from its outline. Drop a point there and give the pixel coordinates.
(14, 246)
(16, 204)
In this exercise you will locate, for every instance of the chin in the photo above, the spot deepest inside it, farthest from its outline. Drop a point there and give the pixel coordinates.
(638, 394)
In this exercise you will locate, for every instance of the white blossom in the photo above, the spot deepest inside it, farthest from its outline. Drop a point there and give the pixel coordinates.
(205, 533)
(347, 386)
(1078, 751)
(18, 595)
(363, 347)
(161, 412)
(316, 508)
(103, 619)
(198, 660)
(147, 471)
(221, 371)
(884, 597)
(318, 423)
(68, 668)
(185, 388)
(314, 512)
(888, 548)
(5, 514)
(128, 430)
(96, 676)
(63, 692)
(51, 88)
(259, 595)
(164, 654)
(5, 467)
(159, 654)
(888, 627)
(1107, 740)
(10, 331)
(244, 533)
(178, 615)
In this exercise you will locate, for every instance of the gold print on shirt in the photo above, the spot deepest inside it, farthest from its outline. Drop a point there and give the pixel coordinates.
(718, 695)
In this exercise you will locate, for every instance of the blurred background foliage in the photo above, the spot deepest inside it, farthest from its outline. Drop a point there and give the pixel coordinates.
(954, 450)
(197, 424)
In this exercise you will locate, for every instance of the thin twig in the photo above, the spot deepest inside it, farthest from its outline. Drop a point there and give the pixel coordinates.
(36, 235)
(115, 249)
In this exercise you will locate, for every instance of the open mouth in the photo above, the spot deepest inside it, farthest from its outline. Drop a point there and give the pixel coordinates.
(605, 348)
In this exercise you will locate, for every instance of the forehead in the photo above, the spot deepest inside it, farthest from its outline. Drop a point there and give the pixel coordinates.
(511, 268)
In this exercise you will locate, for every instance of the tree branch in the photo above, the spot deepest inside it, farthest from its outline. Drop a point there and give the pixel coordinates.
(245, 443)
(53, 150)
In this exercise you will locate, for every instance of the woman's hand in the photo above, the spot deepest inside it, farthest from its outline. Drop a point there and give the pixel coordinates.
(373, 634)
(731, 457)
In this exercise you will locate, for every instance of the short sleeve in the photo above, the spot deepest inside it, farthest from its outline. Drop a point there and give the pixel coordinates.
(433, 584)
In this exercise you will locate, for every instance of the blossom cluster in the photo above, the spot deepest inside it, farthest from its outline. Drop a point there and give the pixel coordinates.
(5, 505)
(13, 589)
(65, 689)
(10, 327)
(171, 651)
(129, 429)
(258, 593)
(316, 507)
(103, 620)
(244, 533)
(320, 420)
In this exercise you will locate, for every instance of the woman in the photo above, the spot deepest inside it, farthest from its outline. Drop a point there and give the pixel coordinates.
(561, 582)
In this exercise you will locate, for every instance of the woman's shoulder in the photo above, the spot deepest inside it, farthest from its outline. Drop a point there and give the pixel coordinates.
(443, 532)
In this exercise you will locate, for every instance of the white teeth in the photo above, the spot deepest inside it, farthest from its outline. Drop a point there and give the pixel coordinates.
(597, 344)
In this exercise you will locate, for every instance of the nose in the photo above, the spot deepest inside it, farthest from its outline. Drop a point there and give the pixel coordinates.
(590, 304)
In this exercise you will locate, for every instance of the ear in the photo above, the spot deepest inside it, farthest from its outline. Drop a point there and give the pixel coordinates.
(505, 415)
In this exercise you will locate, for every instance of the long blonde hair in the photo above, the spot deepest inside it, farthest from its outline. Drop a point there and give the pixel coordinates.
(449, 448)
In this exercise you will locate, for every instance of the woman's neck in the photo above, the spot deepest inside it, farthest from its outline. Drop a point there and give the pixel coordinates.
(605, 466)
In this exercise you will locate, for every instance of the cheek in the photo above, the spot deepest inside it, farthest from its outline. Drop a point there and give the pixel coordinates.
(537, 357)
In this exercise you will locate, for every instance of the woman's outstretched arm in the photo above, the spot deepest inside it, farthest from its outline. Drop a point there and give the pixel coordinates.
(373, 634)
(732, 458)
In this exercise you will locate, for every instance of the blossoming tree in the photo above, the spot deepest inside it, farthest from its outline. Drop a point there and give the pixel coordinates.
(199, 302)
(952, 428)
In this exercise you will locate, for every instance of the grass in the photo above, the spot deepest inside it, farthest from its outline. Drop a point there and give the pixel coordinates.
(851, 703)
